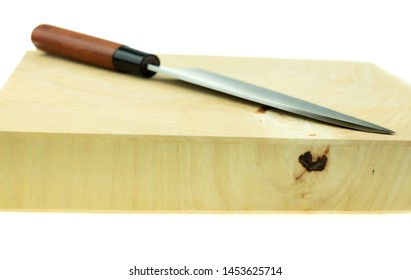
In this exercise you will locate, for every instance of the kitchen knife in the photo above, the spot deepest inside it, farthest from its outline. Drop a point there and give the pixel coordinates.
(118, 57)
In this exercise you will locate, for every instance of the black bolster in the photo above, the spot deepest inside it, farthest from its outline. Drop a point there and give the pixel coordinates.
(132, 61)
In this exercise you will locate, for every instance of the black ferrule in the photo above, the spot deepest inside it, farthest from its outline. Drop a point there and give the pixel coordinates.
(132, 61)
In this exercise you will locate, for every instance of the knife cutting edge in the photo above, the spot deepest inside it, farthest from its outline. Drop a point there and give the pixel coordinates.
(118, 57)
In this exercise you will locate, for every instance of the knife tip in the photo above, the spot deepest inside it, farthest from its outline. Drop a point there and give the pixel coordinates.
(381, 130)
(388, 131)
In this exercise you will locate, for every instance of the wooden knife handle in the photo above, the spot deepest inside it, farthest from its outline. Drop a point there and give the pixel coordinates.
(92, 50)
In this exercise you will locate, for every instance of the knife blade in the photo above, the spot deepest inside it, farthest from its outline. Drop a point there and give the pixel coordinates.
(118, 57)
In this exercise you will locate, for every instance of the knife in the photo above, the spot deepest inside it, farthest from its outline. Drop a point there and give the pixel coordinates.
(118, 57)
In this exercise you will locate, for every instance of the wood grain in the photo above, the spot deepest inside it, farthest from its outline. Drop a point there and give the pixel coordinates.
(79, 138)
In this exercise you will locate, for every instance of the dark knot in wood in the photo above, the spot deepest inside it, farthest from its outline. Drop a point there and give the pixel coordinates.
(307, 161)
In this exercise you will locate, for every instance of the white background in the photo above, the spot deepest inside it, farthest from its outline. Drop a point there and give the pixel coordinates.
(105, 246)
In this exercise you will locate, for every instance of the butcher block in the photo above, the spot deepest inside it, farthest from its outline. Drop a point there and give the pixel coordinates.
(75, 138)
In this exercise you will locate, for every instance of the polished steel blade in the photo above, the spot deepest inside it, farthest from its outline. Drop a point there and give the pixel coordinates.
(267, 97)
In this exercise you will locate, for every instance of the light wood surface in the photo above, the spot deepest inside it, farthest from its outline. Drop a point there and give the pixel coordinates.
(79, 138)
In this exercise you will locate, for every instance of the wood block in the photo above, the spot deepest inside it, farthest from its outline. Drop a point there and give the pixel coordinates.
(79, 138)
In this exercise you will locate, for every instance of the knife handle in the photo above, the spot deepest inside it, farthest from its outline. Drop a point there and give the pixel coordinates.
(92, 50)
